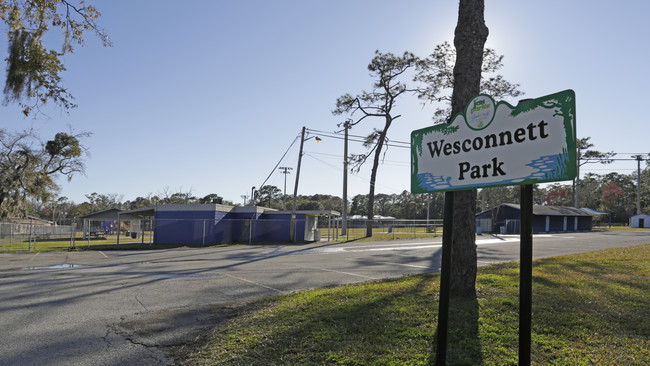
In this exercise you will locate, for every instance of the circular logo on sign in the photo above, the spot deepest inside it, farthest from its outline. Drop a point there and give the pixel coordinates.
(480, 112)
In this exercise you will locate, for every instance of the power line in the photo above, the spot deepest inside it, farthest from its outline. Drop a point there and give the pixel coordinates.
(280, 161)
(624, 159)
(336, 135)
(390, 143)
(389, 162)
(356, 175)
(609, 170)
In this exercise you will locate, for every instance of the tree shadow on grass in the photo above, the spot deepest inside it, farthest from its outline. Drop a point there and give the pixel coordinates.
(463, 341)
(388, 322)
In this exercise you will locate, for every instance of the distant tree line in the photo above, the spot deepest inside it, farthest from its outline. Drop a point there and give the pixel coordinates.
(613, 193)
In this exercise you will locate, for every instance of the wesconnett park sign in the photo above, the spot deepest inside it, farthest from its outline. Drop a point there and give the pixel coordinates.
(496, 144)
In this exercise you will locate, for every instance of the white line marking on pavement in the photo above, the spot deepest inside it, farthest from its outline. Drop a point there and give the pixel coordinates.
(373, 249)
(401, 264)
(497, 241)
(346, 273)
(391, 245)
(408, 246)
(253, 282)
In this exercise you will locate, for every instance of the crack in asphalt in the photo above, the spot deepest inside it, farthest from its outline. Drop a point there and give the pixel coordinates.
(163, 358)
(140, 302)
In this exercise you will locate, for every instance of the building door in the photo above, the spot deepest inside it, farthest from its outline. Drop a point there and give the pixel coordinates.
(641, 222)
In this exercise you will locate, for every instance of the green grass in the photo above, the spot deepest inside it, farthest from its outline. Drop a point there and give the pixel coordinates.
(396, 233)
(60, 245)
(618, 228)
(588, 309)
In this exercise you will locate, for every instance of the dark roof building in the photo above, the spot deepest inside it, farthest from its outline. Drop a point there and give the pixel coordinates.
(505, 219)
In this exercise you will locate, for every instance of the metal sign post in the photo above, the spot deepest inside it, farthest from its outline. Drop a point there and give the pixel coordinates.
(490, 145)
(525, 273)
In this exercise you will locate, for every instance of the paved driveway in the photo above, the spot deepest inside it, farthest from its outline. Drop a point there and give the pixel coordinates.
(132, 307)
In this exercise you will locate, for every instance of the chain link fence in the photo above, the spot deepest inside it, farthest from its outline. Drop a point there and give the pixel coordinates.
(20, 235)
(29, 234)
(41, 236)
(391, 229)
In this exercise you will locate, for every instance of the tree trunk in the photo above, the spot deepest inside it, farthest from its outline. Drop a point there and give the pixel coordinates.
(469, 40)
(373, 176)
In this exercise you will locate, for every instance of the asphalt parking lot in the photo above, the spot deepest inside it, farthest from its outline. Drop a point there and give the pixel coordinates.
(133, 307)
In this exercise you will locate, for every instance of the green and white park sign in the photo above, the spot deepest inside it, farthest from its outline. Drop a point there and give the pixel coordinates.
(496, 144)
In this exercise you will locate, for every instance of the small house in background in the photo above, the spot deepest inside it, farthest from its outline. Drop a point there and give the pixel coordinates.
(505, 219)
(640, 221)
(29, 220)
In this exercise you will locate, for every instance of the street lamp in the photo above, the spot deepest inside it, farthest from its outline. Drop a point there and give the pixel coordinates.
(285, 171)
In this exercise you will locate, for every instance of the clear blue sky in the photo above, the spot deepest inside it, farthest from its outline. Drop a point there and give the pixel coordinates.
(207, 95)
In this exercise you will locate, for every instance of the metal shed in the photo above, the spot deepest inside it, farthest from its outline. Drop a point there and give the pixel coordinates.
(640, 221)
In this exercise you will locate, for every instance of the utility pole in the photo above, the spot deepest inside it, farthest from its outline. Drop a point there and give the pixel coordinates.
(344, 212)
(638, 158)
(295, 188)
(285, 171)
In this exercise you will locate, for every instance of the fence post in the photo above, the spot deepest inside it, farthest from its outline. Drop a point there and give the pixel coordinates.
(347, 233)
(151, 232)
(73, 229)
(329, 225)
(119, 228)
(31, 233)
(204, 232)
